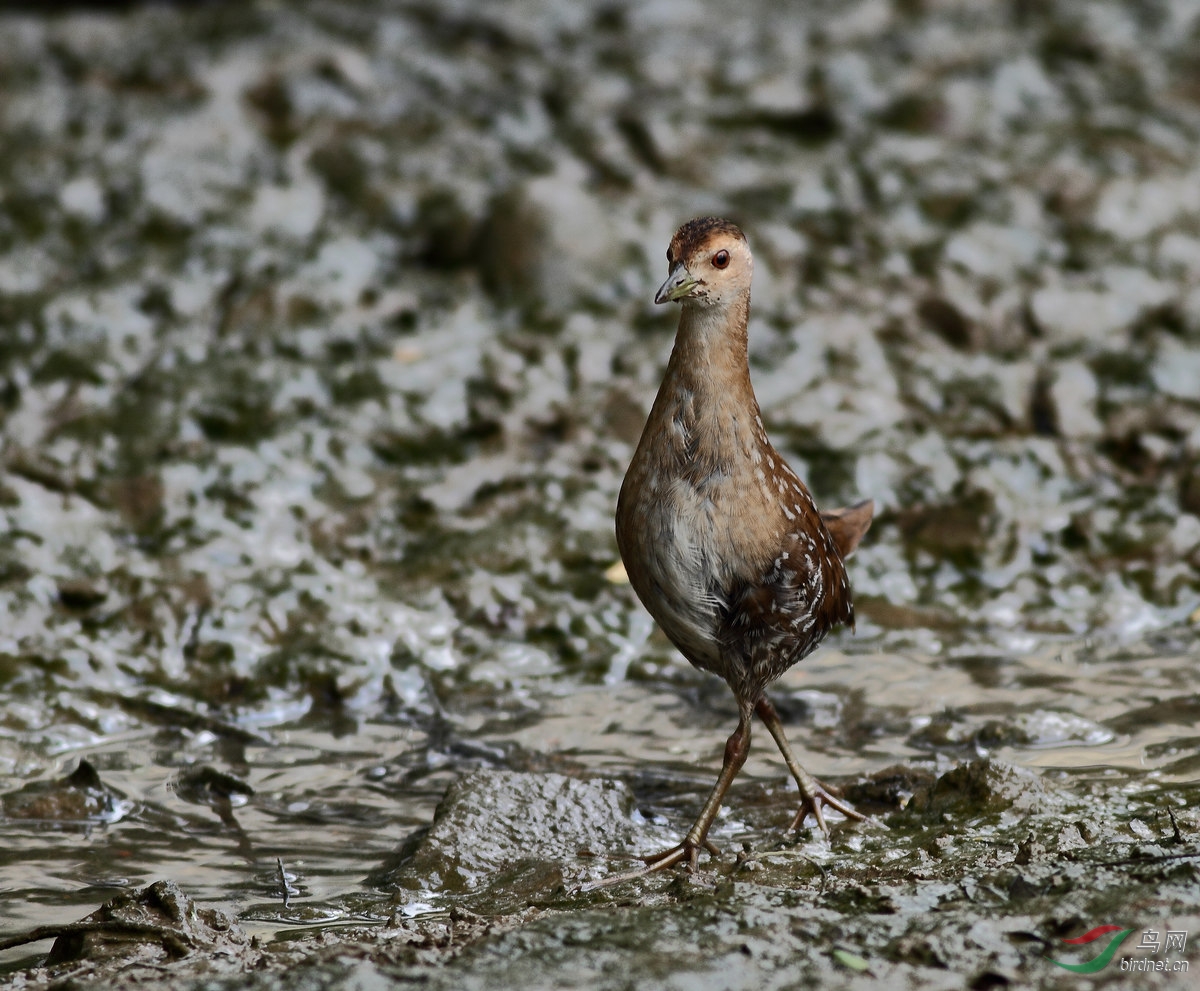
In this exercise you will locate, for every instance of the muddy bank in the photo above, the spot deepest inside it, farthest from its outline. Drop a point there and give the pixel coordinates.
(975, 878)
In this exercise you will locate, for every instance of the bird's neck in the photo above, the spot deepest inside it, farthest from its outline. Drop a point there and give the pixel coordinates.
(706, 417)
(710, 359)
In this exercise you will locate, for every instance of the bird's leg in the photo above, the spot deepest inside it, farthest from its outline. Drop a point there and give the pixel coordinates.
(812, 793)
(736, 749)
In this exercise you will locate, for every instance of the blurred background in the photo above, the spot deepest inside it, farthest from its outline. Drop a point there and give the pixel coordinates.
(326, 331)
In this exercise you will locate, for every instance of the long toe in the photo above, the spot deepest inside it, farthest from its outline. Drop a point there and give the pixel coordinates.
(686, 852)
(816, 797)
(678, 852)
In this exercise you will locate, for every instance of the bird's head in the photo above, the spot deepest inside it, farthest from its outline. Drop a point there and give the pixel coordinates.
(709, 263)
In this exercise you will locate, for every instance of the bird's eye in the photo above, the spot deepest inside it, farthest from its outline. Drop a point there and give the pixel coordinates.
(720, 259)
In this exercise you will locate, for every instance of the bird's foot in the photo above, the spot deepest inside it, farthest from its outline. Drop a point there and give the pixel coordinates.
(813, 797)
(687, 851)
(690, 848)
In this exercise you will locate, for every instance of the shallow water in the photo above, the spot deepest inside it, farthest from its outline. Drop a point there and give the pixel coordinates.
(334, 806)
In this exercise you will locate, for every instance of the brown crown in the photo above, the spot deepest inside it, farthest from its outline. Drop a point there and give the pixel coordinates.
(693, 235)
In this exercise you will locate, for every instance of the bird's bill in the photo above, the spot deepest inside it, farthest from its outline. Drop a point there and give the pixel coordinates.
(679, 283)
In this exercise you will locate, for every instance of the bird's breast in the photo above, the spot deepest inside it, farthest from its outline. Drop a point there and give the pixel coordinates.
(686, 524)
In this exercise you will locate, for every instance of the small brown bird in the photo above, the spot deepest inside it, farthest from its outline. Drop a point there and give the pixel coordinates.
(721, 540)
